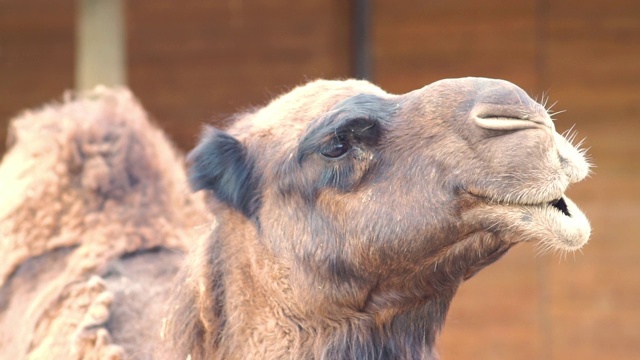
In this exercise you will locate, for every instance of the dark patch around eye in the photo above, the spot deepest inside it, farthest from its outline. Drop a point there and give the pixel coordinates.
(355, 121)
(338, 149)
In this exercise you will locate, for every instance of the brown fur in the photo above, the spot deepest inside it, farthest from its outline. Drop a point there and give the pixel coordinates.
(358, 257)
(94, 217)
(346, 219)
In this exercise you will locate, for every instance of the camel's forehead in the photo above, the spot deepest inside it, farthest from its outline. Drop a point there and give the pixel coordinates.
(470, 83)
(473, 90)
(318, 97)
(286, 117)
(297, 108)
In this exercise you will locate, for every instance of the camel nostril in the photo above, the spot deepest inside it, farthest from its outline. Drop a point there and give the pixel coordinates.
(508, 117)
(503, 123)
(509, 122)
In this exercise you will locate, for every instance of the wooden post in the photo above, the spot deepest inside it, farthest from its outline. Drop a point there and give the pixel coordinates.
(361, 39)
(100, 44)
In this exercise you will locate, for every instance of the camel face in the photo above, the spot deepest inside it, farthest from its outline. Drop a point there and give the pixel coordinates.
(346, 181)
(356, 214)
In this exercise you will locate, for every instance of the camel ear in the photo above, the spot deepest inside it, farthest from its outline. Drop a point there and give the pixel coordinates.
(220, 164)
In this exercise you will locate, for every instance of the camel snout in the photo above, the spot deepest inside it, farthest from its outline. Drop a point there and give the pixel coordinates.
(573, 159)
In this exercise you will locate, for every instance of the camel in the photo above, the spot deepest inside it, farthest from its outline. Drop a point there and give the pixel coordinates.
(336, 222)
(348, 217)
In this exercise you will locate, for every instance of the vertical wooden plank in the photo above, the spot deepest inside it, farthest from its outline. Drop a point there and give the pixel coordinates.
(496, 314)
(594, 72)
(36, 55)
(418, 42)
(100, 52)
(361, 39)
(200, 63)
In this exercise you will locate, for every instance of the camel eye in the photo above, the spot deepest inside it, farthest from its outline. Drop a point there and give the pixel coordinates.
(336, 149)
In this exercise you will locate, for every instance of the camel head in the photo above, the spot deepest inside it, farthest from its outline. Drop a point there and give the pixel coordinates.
(374, 207)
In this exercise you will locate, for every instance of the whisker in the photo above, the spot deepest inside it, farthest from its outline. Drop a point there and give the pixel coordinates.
(556, 113)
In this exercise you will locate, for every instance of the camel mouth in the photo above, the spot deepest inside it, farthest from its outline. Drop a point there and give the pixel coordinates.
(560, 205)
(556, 225)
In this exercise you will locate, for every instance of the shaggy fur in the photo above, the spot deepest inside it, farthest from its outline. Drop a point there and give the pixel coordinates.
(345, 220)
(94, 217)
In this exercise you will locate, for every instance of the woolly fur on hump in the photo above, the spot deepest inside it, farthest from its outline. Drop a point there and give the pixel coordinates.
(92, 179)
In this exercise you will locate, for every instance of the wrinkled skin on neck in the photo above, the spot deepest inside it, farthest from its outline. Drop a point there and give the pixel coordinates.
(348, 217)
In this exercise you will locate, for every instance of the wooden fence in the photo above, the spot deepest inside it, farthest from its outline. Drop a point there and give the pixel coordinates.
(199, 61)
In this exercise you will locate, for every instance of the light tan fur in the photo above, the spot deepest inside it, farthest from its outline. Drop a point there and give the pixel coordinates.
(88, 187)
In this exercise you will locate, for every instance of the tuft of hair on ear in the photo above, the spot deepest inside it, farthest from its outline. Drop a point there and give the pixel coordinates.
(219, 163)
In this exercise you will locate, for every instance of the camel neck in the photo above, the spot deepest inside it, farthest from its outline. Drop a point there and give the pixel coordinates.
(409, 335)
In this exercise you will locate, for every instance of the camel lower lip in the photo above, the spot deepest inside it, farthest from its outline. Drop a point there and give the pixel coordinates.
(560, 224)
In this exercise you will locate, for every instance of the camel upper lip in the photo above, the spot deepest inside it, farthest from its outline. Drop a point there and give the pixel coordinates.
(559, 203)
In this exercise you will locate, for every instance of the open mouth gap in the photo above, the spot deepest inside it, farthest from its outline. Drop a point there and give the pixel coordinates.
(561, 206)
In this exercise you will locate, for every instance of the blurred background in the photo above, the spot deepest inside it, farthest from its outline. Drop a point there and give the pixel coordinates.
(197, 61)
